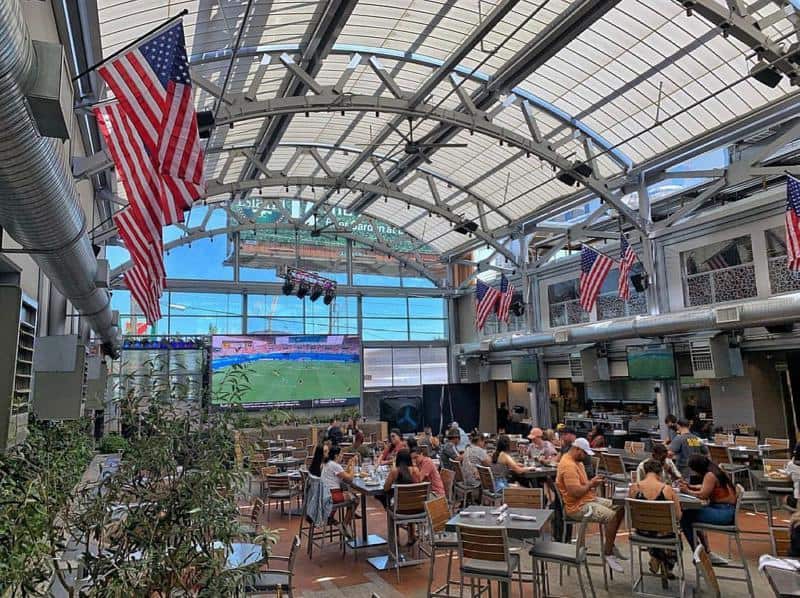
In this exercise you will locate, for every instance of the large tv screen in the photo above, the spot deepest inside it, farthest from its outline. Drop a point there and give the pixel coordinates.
(656, 362)
(286, 371)
(524, 369)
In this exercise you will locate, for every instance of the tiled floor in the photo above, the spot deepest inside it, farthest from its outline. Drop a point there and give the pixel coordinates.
(329, 574)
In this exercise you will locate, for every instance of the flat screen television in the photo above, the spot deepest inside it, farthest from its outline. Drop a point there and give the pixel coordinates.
(524, 369)
(286, 371)
(654, 362)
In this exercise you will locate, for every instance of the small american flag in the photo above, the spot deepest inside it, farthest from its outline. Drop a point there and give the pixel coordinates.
(594, 269)
(151, 82)
(485, 299)
(146, 253)
(143, 293)
(792, 223)
(627, 258)
(506, 295)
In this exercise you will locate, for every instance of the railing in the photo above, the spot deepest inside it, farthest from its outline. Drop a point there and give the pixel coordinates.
(563, 313)
(781, 279)
(719, 286)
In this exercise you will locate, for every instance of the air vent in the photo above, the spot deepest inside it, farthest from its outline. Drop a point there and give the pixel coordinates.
(727, 315)
(463, 372)
(561, 336)
(702, 360)
(575, 367)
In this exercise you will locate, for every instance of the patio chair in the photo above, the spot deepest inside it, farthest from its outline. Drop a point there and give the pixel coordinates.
(438, 512)
(704, 568)
(564, 554)
(407, 508)
(484, 554)
(280, 489)
(488, 493)
(278, 581)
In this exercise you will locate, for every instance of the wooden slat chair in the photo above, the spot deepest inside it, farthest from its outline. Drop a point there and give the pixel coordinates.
(523, 498)
(563, 554)
(438, 512)
(249, 518)
(721, 455)
(488, 493)
(636, 447)
(347, 457)
(300, 454)
(302, 441)
(280, 489)
(781, 541)
(483, 554)
(614, 468)
(781, 444)
(462, 491)
(704, 568)
(770, 466)
(647, 519)
(407, 508)
(746, 441)
(261, 479)
(723, 439)
(275, 580)
(448, 479)
(733, 532)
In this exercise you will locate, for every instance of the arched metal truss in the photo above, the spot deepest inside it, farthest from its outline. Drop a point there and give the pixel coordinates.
(204, 231)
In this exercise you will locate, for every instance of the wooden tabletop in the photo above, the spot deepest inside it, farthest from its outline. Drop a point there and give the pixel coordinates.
(784, 583)
(516, 528)
(763, 480)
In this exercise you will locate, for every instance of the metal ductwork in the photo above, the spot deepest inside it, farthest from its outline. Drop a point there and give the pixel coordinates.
(750, 314)
(39, 203)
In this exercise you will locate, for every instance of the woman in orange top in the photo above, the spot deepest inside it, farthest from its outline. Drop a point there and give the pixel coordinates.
(717, 489)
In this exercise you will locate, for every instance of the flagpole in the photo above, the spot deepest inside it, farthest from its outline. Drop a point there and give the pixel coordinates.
(97, 65)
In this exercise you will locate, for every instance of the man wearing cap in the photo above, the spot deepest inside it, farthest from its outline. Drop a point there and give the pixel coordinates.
(579, 496)
(450, 450)
(539, 447)
(567, 437)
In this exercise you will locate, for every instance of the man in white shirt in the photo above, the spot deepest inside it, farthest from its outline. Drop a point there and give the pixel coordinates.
(669, 472)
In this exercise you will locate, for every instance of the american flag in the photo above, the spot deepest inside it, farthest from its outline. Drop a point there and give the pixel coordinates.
(151, 82)
(627, 258)
(504, 303)
(594, 269)
(792, 223)
(147, 253)
(725, 258)
(485, 299)
(143, 293)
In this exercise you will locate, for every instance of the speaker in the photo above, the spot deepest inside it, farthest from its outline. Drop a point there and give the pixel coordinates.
(205, 122)
(640, 282)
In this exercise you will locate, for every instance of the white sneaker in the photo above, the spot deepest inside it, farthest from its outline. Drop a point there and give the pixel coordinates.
(614, 564)
(716, 559)
(618, 553)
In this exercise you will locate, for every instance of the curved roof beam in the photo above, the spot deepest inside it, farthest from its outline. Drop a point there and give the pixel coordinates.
(332, 102)
(198, 233)
(275, 51)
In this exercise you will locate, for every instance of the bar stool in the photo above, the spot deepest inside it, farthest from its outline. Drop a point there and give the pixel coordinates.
(563, 554)
(461, 487)
(488, 491)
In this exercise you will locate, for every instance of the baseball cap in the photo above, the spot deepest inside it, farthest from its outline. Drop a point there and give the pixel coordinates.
(535, 433)
(583, 444)
(560, 427)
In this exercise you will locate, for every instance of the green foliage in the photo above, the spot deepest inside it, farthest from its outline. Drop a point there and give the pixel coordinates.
(112, 443)
(36, 483)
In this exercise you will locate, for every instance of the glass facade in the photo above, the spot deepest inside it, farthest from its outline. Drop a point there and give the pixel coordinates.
(404, 366)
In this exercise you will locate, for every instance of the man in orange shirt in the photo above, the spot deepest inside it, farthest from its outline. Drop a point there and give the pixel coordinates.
(579, 496)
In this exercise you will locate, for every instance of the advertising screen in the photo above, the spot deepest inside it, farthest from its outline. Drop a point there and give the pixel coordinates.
(655, 362)
(286, 371)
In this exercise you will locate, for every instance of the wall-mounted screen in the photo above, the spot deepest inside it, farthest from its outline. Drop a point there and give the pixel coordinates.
(286, 371)
(655, 362)
(524, 369)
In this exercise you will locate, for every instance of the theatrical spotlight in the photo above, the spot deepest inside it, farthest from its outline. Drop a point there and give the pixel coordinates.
(302, 290)
(288, 287)
(307, 283)
(316, 292)
(329, 297)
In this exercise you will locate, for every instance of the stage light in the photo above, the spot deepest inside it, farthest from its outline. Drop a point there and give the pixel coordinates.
(288, 287)
(316, 292)
(329, 297)
(302, 290)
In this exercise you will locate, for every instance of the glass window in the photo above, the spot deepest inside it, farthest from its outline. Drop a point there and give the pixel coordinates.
(371, 268)
(781, 279)
(274, 325)
(609, 305)
(384, 307)
(434, 365)
(377, 367)
(203, 259)
(719, 272)
(205, 304)
(383, 329)
(564, 307)
(426, 307)
(406, 366)
(427, 330)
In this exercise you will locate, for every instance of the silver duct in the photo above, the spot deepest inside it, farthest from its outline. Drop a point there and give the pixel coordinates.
(764, 312)
(39, 204)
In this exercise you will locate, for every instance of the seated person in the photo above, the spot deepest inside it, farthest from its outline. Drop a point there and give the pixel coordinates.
(474, 455)
(580, 498)
(794, 535)
(567, 437)
(428, 471)
(396, 443)
(333, 474)
(504, 465)
(334, 432)
(793, 469)
(718, 489)
(669, 472)
(430, 441)
(596, 437)
(450, 452)
(403, 472)
(539, 448)
(651, 486)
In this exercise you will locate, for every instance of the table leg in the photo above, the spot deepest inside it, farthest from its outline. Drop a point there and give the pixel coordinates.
(363, 517)
(366, 540)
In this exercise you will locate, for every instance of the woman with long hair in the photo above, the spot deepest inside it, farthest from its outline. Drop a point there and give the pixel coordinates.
(317, 459)
(402, 473)
(504, 465)
(717, 488)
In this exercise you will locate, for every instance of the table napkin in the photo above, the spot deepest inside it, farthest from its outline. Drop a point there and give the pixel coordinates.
(767, 560)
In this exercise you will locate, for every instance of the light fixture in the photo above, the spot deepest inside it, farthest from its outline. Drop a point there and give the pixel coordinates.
(316, 292)
(288, 287)
(302, 290)
(329, 297)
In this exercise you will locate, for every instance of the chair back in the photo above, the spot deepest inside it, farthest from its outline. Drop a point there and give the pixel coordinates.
(720, 454)
(595, 463)
(300, 454)
(293, 557)
(486, 477)
(255, 512)
(780, 443)
(704, 566)
(278, 482)
(303, 441)
(409, 499)
(771, 465)
(781, 541)
(448, 478)
(723, 439)
(613, 464)
(746, 441)
(651, 516)
(347, 457)
(484, 543)
(438, 513)
(636, 447)
(458, 473)
(523, 498)
(309, 460)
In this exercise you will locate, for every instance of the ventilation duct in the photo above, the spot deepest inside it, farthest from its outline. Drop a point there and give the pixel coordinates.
(40, 207)
(765, 312)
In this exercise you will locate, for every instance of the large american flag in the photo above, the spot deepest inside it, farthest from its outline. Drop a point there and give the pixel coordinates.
(792, 223)
(151, 82)
(627, 258)
(485, 299)
(504, 302)
(594, 269)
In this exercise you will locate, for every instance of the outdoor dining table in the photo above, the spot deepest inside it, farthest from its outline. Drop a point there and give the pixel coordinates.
(748, 451)
(284, 450)
(365, 488)
(284, 463)
(539, 472)
(777, 484)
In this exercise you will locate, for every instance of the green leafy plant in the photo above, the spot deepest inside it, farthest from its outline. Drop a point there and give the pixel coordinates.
(112, 443)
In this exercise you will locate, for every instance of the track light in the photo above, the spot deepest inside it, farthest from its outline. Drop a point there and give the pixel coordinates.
(316, 292)
(288, 287)
(302, 290)
(329, 297)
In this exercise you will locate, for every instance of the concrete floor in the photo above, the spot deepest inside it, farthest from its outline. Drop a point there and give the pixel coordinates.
(329, 574)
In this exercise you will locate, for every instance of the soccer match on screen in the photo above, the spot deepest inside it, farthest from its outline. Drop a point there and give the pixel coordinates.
(290, 370)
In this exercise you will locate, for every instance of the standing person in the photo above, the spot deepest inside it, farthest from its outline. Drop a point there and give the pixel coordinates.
(717, 488)
(567, 437)
(684, 445)
(502, 419)
(358, 439)
(473, 456)
(672, 427)
(669, 472)
(396, 443)
(403, 472)
(450, 452)
(539, 448)
(580, 498)
(653, 487)
(427, 469)
(463, 439)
